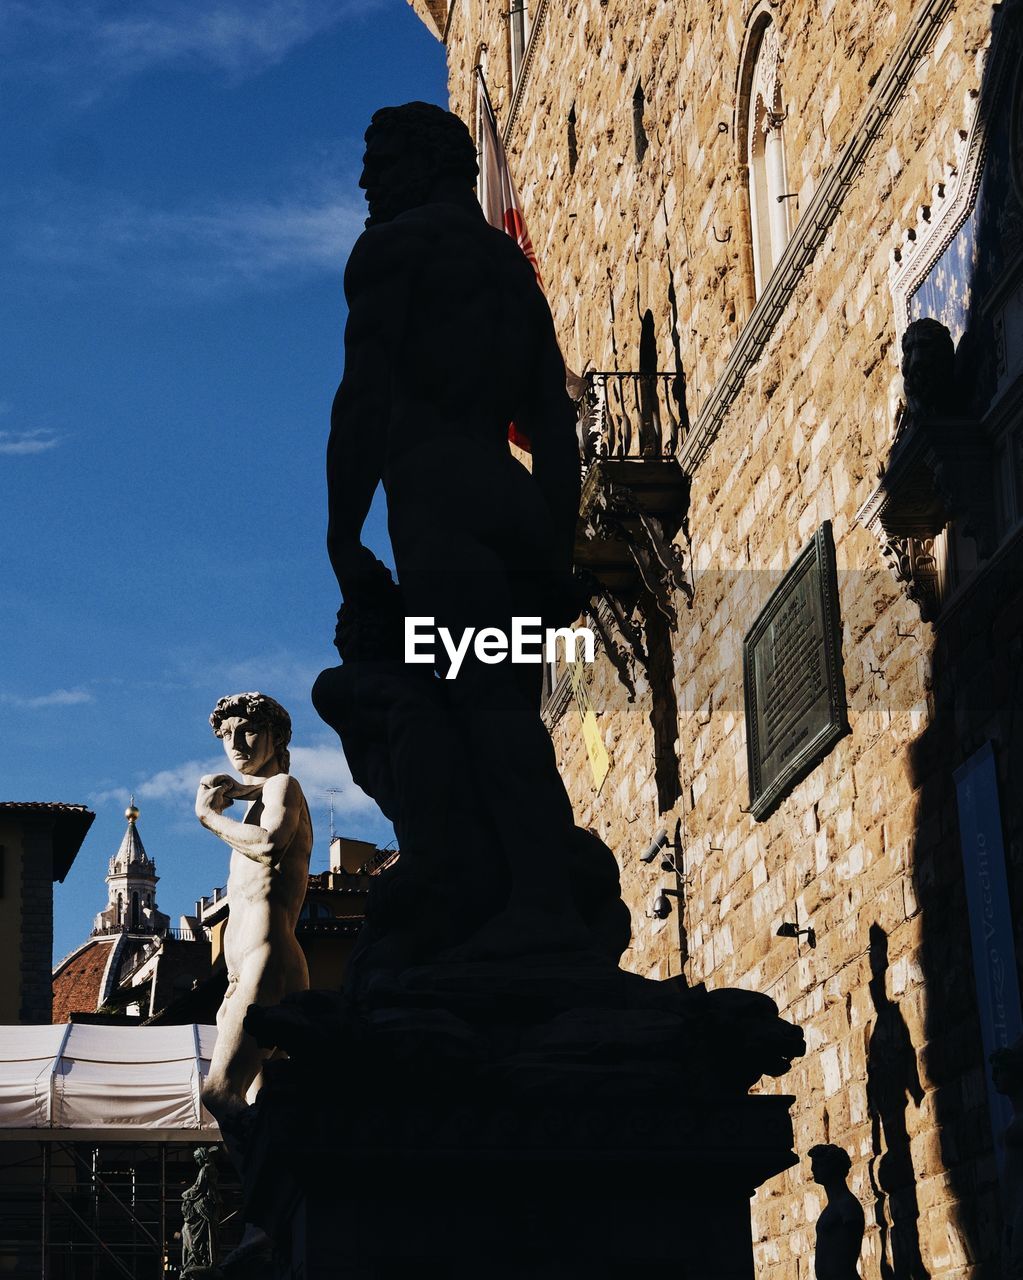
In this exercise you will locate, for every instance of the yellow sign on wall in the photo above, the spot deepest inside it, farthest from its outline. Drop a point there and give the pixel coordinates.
(600, 762)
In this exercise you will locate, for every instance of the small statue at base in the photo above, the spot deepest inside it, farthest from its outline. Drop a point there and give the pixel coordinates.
(200, 1208)
(841, 1223)
(266, 886)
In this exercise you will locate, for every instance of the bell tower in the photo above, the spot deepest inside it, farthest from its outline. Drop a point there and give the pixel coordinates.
(131, 887)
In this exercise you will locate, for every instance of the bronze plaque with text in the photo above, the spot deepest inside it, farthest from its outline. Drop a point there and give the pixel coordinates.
(792, 672)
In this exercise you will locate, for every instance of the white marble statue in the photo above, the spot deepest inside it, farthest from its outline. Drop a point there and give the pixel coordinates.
(266, 886)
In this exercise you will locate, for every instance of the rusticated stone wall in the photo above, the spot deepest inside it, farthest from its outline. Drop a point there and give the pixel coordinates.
(866, 848)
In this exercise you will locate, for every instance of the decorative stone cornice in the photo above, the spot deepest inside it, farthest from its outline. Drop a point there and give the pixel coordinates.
(527, 62)
(939, 222)
(433, 14)
(813, 228)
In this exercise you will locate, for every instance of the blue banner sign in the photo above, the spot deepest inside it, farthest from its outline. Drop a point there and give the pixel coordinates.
(987, 897)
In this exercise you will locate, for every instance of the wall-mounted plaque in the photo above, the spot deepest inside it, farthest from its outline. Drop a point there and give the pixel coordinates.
(792, 673)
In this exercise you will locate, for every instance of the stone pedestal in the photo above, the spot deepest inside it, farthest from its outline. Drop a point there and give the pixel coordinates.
(514, 1188)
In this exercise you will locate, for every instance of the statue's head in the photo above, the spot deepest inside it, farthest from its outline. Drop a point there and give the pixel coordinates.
(410, 151)
(928, 368)
(828, 1163)
(255, 730)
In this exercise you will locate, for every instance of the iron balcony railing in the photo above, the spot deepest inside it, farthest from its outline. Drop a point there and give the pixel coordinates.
(631, 415)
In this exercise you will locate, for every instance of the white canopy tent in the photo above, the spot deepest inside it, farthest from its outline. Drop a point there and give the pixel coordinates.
(87, 1081)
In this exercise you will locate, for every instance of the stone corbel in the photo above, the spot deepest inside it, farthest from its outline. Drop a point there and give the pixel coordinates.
(912, 562)
(621, 638)
(939, 471)
(630, 511)
(616, 515)
(960, 462)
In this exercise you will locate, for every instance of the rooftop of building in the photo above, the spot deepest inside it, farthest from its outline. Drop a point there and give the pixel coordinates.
(71, 823)
(78, 979)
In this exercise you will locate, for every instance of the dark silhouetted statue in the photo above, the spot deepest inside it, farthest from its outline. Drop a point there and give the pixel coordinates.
(1007, 1070)
(449, 340)
(483, 1003)
(841, 1222)
(498, 896)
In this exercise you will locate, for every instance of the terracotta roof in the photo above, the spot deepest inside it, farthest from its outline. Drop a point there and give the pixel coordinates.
(70, 824)
(78, 981)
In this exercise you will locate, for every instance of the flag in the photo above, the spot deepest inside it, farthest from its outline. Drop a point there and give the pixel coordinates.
(500, 202)
(497, 195)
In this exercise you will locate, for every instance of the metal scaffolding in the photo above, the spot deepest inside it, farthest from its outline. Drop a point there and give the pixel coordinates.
(89, 1210)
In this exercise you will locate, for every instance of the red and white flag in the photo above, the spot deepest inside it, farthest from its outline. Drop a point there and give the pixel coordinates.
(500, 202)
(497, 195)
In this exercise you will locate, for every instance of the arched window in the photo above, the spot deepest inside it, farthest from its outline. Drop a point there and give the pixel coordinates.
(120, 908)
(134, 911)
(573, 141)
(763, 112)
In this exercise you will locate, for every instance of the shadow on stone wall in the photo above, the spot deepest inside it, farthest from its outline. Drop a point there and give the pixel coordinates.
(975, 694)
(892, 1081)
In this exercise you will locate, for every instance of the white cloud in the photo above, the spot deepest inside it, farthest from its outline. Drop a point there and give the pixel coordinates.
(109, 796)
(276, 672)
(321, 768)
(178, 784)
(175, 787)
(57, 698)
(25, 442)
(199, 250)
(104, 41)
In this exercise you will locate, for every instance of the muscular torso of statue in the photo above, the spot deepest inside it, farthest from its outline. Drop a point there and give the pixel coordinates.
(266, 898)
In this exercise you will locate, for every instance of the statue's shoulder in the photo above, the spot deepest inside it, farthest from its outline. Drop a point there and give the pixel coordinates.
(382, 250)
(283, 787)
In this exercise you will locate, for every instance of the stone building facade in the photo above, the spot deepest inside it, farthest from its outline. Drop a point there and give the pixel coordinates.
(38, 843)
(738, 208)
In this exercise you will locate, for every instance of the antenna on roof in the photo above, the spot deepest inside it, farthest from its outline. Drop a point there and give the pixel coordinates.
(332, 792)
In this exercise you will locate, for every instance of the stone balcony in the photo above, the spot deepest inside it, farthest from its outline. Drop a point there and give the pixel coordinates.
(635, 494)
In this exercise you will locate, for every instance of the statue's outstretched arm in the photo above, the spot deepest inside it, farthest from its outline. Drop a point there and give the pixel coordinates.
(282, 808)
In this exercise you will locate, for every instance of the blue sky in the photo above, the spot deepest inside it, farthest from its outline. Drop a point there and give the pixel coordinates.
(180, 197)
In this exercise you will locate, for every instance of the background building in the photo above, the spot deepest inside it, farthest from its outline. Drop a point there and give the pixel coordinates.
(128, 933)
(135, 968)
(738, 208)
(38, 844)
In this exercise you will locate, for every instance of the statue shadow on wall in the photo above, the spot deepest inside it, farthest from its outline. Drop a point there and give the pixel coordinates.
(839, 1235)
(892, 1080)
(975, 680)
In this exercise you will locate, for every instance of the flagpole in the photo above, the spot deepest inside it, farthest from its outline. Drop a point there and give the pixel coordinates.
(486, 94)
